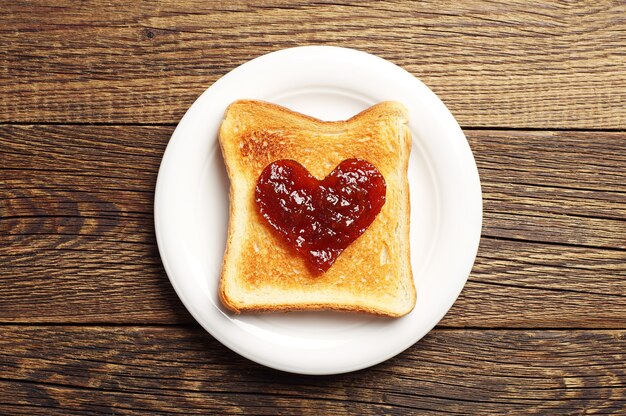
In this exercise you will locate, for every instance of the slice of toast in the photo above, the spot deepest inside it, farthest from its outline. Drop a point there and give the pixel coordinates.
(260, 271)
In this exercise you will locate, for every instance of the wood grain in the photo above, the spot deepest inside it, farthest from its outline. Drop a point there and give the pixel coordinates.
(554, 187)
(77, 242)
(90, 94)
(59, 370)
(494, 63)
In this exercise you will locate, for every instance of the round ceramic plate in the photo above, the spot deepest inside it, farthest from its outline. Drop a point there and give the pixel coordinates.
(191, 209)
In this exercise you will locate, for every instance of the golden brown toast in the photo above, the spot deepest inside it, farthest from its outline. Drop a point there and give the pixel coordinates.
(260, 271)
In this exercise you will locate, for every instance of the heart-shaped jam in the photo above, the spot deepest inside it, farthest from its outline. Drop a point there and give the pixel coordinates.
(319, 219)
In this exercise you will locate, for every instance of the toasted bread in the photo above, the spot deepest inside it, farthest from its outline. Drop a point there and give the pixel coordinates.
(260, 272)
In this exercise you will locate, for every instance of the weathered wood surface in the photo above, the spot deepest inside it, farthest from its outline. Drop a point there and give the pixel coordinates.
(507, 63)
(90, 94)
(77, 241)
(123, 370)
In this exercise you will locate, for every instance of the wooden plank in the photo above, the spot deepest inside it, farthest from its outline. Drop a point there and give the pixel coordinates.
(77, 241)
(494, 63)
(125, 370)
(557, 187)
(565, 187)
(533, 285)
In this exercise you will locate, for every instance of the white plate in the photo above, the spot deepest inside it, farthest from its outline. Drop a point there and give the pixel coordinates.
(191, 209)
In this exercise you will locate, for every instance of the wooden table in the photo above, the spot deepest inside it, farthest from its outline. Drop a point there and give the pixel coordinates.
(90, 94)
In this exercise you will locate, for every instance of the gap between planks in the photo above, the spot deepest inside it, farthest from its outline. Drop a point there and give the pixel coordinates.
(196, 326)
(167, 124)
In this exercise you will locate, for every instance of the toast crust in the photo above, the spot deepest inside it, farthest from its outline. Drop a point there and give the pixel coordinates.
(260, 272)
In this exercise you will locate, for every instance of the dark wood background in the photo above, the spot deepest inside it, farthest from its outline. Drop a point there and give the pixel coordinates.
(90, 93)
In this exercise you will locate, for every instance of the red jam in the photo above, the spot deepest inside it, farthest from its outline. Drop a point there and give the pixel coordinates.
(319, 219)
